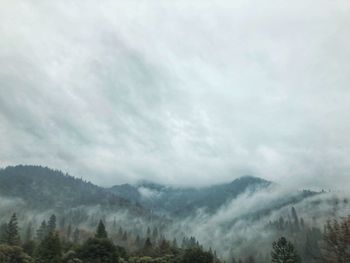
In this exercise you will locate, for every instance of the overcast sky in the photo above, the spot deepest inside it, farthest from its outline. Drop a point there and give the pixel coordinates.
(186, 93)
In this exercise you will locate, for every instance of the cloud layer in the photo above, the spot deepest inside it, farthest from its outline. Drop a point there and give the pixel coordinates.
(184, 93)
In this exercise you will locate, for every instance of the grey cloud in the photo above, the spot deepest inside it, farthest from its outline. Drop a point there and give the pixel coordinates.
(184, 93)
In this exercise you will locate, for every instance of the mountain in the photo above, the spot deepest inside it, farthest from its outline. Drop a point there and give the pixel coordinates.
(183, 201)
(42, 188)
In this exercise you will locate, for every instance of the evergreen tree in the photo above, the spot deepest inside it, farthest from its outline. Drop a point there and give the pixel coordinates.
(114, 225)
(69, 232)
(42, 231)
(101, 230)
(120, 232)
(100, 250)
(148, 234)
(13, 254)
(76, 236)
(51, 226)
(125, 236)
(29, 233)
(164, 246)
(197, 255)
(155, 233)
(148, 248)
(174, 243)
(284, 252)
(12, 236)
(336, 241)
(137, 241)
(295, 219)
(3, 233)
(49, 249)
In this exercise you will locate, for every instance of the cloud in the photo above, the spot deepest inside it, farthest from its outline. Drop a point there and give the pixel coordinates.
(185, 93)
(148, 193)
(236, 229)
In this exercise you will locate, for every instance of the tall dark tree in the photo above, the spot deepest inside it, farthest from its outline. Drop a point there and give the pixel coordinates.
(100, 250)
(3, 233)
(155, 233)
(120, 232)
(51, 226)
(295, 219)
(101, 230)
(12, 236)
(76, 236)
(336, 241)
(125, 236)
(42, 231)
(283, 251)
(49, 249)
(197, 255)
(29, 233)
(13, 254)
(69, 232)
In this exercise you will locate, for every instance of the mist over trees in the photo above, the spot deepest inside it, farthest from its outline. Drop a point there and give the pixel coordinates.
(78, 229)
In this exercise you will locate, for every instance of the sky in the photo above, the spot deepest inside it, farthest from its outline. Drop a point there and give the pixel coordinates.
(187, 93)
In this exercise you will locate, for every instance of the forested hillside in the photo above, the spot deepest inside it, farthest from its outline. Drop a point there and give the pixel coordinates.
(42, 188)
(56, 215)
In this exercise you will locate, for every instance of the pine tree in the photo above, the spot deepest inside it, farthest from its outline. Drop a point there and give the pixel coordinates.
(51, 226)
(42, 231)
(69, 231)
(295, 219)
(155, 233)
(120, 232)
(3, 233)
(137, 241)
(76, 236)
(148, 244)
(336, 241)
(197, 255)
(49, 249)
(114, 225)
(101, 230)
(12, 236)
(284, 252)
(99, 250)
(148, 234)
(29, 233)
(125, 236)
(174, 243)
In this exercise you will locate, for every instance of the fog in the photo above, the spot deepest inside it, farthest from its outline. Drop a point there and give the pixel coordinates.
(241, 227)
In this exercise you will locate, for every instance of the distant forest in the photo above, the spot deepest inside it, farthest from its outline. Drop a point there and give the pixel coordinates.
(57, 242)
(47, 216)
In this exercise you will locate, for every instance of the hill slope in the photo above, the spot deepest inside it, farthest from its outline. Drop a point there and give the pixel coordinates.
(43, 188)
(183, 201)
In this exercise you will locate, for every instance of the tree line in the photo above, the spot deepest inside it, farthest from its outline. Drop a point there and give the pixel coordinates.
(51, 244)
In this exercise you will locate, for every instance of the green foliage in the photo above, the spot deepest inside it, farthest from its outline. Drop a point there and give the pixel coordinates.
(100, 250)
(283, 251)
(29, 247)
(49, 249)
(101, 230)
(42, 231)
(13, 254)
(197, 255)
(51, 226)
(12, 236)
(336, 241)
(76, 236)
